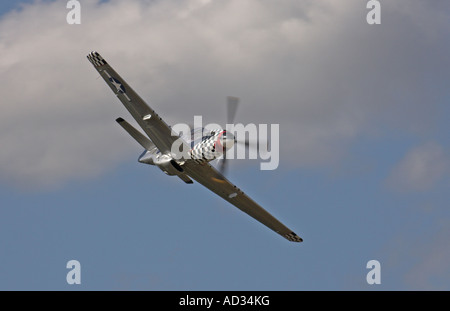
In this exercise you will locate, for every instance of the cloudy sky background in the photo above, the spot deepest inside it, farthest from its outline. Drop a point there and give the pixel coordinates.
(364, 144)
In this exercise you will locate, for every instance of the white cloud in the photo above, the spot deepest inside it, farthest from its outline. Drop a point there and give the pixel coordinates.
(315, 67)
(421, 168)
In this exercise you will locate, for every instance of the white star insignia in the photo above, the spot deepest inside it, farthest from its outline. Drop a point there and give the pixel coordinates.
(117, 85)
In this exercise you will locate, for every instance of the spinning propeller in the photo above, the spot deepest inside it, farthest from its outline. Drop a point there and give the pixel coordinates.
(232, 105)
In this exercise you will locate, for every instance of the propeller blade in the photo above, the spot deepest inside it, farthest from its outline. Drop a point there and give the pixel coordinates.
(253, 145)
(232, 104)
(246, 143)
(223, 164)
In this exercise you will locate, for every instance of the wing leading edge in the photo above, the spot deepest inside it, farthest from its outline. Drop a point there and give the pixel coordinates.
(209, 177)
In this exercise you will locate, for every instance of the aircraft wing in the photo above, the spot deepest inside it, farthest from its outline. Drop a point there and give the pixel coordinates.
(159, 132)
(163, 137)
(209, 177)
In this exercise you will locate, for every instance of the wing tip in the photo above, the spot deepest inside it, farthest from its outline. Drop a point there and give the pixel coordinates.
(120, 120)
(293, 237)
(96, 59)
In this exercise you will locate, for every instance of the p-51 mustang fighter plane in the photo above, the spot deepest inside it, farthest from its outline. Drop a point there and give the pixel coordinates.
(192, 161)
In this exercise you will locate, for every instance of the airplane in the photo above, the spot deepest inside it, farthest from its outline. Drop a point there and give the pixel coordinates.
(191, 159)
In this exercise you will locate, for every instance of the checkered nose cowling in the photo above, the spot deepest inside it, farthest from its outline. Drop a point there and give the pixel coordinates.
(205, 151)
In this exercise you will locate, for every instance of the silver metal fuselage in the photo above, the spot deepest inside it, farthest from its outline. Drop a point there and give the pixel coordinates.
(205, 147)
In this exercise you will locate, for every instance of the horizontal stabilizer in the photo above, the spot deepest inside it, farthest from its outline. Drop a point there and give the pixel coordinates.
(138, 136)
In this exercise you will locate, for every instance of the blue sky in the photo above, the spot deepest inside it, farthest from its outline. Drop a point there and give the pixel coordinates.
(364, 147)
